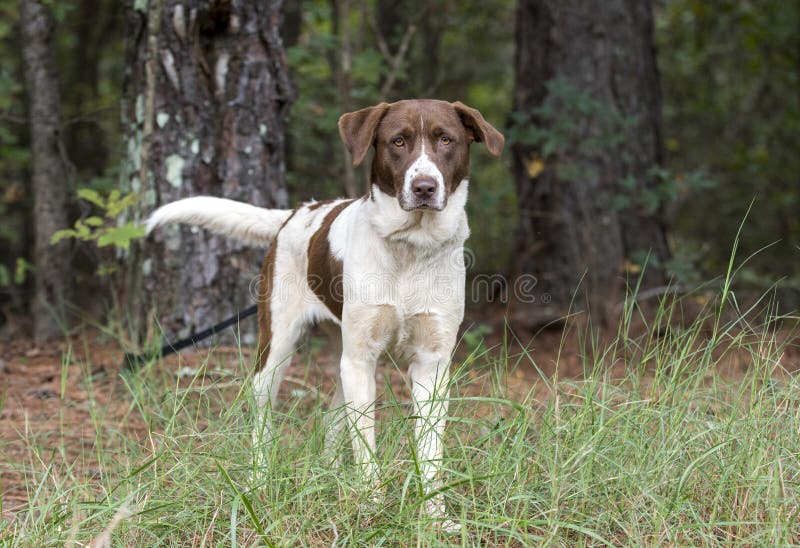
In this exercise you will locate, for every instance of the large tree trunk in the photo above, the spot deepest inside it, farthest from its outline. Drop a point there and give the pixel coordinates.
(49, 174)
(206, 98)
(587, 140)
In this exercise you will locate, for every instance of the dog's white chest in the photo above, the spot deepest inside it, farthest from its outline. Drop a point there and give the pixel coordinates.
(412, 279)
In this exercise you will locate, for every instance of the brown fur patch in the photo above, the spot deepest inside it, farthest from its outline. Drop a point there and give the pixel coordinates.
(424, 332)
(317, 205)
(324, 274)
(264, 297)
(357, 130)
(383, 323)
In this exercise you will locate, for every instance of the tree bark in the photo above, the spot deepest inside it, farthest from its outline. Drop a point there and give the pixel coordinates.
(49, 173)
(341, 27)
(206, 95)
(587, 81)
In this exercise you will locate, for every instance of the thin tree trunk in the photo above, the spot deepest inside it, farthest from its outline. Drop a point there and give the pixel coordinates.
(341, 14)
(206, 98)
(49, 173)
(587, 80)
(97, 23)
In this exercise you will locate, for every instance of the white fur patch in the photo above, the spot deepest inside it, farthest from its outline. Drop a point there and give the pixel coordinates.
(423, 166)
(422, 228)
(337, 235)
(237, 220)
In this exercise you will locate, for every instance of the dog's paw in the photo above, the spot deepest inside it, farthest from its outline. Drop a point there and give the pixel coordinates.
(377, 496)
(436, 510)
(449, 526)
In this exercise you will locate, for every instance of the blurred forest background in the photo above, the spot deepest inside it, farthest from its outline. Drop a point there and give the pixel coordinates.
(723, 106)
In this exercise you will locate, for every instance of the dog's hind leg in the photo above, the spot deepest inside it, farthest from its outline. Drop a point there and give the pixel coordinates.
(335, 418)
(267, 382)
(334, 425)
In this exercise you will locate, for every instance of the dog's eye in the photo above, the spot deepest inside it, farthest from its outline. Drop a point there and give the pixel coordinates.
(445, 140)
(398, 141)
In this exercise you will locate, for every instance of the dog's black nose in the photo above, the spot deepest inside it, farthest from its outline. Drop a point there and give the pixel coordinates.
(423, 187)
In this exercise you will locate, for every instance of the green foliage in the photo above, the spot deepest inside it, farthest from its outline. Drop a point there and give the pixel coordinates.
(89, 50)
(556, 129)
(106, 230)
(18, 275)
(475, 338)
(731, 106)
(59, 9)
(659, 188)
(14, 153)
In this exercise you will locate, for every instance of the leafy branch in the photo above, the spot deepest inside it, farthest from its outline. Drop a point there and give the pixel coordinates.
(105, 230)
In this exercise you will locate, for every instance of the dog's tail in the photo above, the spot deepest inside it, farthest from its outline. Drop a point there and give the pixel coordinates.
(237, 220)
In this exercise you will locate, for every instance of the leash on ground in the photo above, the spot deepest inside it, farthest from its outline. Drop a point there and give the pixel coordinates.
(132, 360)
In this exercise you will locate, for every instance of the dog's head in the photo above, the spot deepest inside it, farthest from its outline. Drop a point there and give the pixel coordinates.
(421, 147)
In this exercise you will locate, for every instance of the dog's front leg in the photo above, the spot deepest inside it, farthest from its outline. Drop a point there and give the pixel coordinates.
(365, 333)
(432, 342)
(358, 387)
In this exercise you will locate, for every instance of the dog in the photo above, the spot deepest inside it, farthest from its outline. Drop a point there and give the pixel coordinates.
(387, 268)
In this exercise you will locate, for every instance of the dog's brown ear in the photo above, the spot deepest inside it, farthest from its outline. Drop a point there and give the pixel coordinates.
(357, 130)
(482, 131)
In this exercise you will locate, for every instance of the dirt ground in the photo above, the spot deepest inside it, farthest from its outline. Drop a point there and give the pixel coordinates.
(44, 393)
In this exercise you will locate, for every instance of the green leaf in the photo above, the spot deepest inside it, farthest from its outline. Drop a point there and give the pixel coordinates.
(117, 205)
(106, 269)
(83, 232)
(120, 236)
(621, 201)
(629, 182)
(247, 504)
(92, 196)
(22, 268)
(93, 221)
(59, 235)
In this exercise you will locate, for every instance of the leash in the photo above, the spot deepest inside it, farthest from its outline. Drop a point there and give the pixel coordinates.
(131, 360)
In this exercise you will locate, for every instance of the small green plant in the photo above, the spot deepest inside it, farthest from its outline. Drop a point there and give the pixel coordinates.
(105, 230)
(474, 339)
(18, 276)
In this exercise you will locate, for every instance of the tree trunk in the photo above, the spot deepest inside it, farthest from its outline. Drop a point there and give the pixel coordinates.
(341, 28)
(49, 174)
(587, 138)
(97, 25)
(206, 98)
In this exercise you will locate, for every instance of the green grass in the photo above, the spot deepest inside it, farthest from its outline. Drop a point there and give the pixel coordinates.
(660, 442)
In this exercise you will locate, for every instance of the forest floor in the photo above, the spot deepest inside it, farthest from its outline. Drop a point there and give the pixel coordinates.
(49, 390)
(45, 389)
(54, 395)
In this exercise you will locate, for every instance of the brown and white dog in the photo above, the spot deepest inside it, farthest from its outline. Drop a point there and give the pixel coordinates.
(388, 268)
